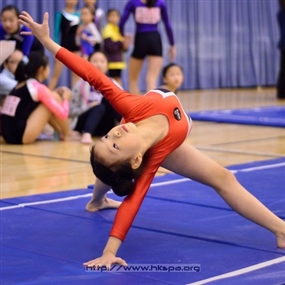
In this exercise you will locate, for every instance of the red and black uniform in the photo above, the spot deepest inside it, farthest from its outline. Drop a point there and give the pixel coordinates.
(20, 104)
(135, 108)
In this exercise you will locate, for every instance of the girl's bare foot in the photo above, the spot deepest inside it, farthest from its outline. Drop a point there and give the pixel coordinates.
(106, 203)
(281, 240)
(86, 138)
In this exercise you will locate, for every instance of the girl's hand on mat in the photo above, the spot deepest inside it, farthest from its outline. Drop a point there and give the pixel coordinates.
(107, 259)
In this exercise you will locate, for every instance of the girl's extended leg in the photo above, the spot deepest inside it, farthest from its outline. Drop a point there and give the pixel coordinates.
(191, 163)
(99, 201)
(154, 67)
(135, 65)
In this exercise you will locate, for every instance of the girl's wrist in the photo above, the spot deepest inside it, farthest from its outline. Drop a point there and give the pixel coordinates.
(108, 252)
(45, 40)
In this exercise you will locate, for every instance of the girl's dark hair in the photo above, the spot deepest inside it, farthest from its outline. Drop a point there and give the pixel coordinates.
(150, 3)
(282, 4)
(93, 11)
(28, 70)
(11, 8)
(98, 51)
(113, 10)
(166, 68)
(121, 180)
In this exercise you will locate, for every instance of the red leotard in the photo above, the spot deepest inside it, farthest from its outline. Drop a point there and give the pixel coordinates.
(135, 108)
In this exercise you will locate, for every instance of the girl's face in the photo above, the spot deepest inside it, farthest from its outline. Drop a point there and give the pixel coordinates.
(100, 61)
(46, 72)
(12, 63)
(43, 73)
(86, 16)
(90, 2)
(122, 143)
(173, 78)
(71, 3)
(9, 21)
(114, 18)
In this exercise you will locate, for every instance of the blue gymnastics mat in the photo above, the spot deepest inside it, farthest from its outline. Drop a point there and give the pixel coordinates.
(182, 226)
(273, 116)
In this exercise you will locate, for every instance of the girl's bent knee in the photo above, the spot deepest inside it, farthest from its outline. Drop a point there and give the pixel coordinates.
(226, 179)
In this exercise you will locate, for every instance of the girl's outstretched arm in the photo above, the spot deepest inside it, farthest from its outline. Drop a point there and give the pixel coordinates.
(122, 101)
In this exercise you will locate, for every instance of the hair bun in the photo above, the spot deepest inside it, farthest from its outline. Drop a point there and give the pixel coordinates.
(123, 187)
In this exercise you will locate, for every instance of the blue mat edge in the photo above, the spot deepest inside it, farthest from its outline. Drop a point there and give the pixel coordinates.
(207, 115)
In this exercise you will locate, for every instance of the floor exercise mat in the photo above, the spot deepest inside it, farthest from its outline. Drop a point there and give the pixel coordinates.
(184, 233)
(273, 116)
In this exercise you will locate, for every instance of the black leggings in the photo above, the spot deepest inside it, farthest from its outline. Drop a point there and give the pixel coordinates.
(89, 120)
(281, 77)
(98, 120)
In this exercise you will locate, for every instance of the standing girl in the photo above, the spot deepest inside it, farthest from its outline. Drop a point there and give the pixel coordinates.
(87, 34)
(98, 17)
(65, 26)
(115, 45)
(147, 15)
(281, 47)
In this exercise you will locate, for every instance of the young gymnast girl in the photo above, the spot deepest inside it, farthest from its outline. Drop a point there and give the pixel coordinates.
(152, 134)
(172, 78)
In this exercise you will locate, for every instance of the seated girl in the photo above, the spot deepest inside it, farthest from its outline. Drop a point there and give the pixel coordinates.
(172, 77)
(31, 105)
(93, 114)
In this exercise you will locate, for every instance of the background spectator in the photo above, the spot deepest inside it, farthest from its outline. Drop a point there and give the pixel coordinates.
(95, 116)
(98, 16)
(65, 26)
(281, 46)
(115, 45)
(7, 76)
(87, 34)
(31, 105)
(10, 29)
(148, 44)
(172, 77)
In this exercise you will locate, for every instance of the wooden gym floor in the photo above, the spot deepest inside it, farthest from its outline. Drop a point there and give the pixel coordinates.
(46, 166)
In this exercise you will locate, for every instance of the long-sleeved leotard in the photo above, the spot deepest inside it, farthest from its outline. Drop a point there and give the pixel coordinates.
(135, 108)
(147, 19)
(23, 43)
(65, 29)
